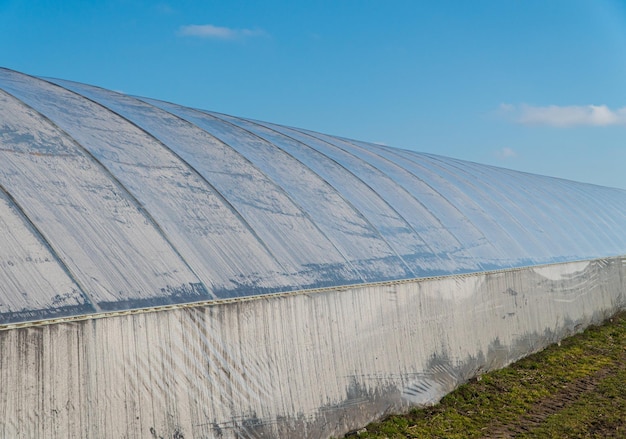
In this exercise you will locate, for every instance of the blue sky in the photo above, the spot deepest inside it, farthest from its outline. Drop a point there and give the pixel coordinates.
(533, 85)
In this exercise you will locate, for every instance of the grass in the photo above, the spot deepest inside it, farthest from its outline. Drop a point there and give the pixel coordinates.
(573, 390)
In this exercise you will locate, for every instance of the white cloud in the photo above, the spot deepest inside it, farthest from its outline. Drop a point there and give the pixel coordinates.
(218, 32)
(164, 8)
(506, 153)
(565, 116)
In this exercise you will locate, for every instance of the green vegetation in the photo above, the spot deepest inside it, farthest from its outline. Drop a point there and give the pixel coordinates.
(575, 390)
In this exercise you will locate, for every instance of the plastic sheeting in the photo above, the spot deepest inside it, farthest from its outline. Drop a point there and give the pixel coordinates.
(140, 242)
(312, 365)
(112, 202)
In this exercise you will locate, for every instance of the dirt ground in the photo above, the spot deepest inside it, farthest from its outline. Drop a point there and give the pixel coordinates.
(573, 390)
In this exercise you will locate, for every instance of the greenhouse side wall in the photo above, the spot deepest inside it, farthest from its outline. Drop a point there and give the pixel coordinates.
(309, 364)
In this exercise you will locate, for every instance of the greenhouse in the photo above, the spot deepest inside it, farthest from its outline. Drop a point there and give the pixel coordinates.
(174, 272)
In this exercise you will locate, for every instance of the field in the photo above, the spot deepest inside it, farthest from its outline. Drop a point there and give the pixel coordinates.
(576, 389)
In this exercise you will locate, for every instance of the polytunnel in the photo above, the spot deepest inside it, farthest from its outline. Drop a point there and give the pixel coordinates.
(175, 272)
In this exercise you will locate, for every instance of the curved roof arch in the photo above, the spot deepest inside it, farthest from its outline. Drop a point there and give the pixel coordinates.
(114, 202)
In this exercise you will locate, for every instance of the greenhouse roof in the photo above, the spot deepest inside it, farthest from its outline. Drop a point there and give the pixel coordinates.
(113, 202)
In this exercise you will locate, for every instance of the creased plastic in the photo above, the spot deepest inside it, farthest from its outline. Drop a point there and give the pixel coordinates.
(175, 272)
